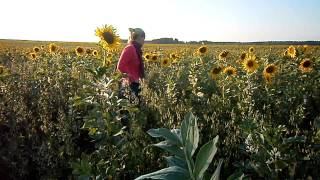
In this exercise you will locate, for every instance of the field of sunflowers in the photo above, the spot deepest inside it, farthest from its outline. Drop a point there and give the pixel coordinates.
(253, 109)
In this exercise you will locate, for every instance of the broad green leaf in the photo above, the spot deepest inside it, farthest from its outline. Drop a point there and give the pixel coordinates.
(170, 173)
(167, 134)
(216, 174)
(176, 161)
(190, 133)
(204, 157)
(184, 127)
(170, 148)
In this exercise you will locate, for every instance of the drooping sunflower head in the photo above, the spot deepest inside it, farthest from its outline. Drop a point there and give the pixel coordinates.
(214, 72)
(165, 62)
(95, 53)
(80, 51)
(202, 50)
(36, 49)
(270, 70)
(292, 52)
(53, 48)
(109, 39)
(251, 49)
(250, 64)
(306, 66)
(223, 55)
(230, 71)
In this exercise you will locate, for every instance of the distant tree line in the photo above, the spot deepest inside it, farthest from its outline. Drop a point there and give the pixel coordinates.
(176, 41)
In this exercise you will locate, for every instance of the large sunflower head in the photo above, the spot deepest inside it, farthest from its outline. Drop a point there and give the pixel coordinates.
(165, 62)
(306, 65)
(214, 72)
(109, 39)
(270, 70)
(250, 64)
(223, 55)
(230, 71)
(80, 51)
(53, 48)
(292, 52)
(202, 50)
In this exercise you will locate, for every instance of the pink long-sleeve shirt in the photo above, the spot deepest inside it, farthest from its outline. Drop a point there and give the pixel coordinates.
(130, 63)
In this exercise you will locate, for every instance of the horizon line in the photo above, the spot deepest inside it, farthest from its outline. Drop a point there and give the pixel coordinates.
(261, 41)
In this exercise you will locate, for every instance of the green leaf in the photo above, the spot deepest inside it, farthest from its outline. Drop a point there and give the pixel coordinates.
(204, 157)
(170, 173)
(167, 134)
(184, 127)
(192, 137)
(216, 174)
(236, 176)
(177, 161)
(170, 148)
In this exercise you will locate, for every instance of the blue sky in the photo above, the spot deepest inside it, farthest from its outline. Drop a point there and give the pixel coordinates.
(214, 20)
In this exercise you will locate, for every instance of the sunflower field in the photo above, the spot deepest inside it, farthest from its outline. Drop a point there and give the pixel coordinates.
(61, 117)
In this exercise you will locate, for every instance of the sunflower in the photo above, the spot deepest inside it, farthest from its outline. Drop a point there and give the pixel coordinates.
(292, 52)
(154, 57)
(33, 55)
(202, 50)
(173, 56)
(223, 55)
(36, 49)
(250, 64)
(109, 39)
(147, 56)
(214, 72)
(53, 48)
(268, 79)
(251, 49)
(80, 51)
(243, 56)
(305, 48)
(270, 70)
(230, 71)
(95, 53)
(306, 65)
(89, 51)
(165, 62)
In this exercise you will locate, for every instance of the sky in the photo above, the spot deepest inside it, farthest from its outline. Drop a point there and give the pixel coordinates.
(186, 20)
